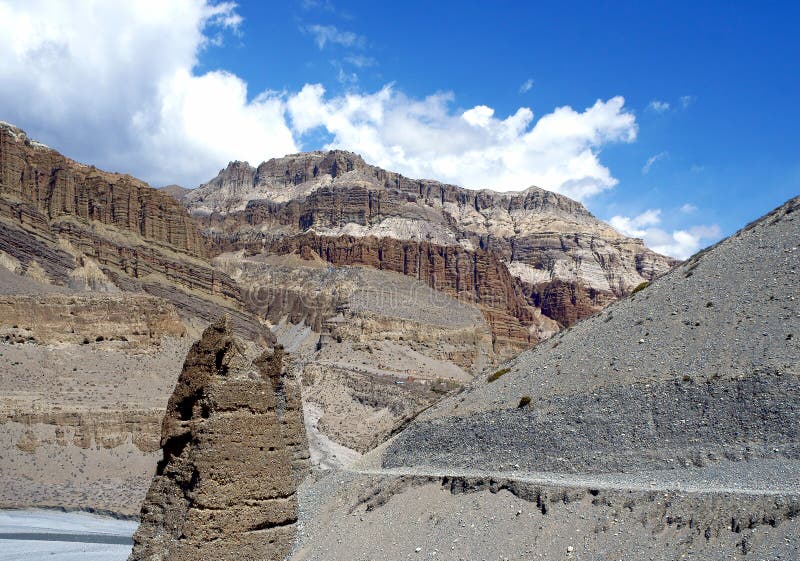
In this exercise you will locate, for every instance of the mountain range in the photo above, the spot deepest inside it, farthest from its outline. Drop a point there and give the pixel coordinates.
(478, 374)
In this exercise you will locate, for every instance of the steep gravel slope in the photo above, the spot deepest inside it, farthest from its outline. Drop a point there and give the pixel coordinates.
(699, 368)
(663, 429)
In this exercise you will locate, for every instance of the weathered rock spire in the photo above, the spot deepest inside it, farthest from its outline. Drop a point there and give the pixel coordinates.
(235, 450)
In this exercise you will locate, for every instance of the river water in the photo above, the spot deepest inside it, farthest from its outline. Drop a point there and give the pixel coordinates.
(33, 535)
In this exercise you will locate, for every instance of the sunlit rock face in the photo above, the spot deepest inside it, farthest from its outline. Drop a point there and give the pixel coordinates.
(533, 253)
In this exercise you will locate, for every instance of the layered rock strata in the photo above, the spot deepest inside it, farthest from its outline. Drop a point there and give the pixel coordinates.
(74, 225)
(81, 318)
(46, 184)
(472, 276)
(564, 262)
(83, 386)
(234, 450)
(372, 347)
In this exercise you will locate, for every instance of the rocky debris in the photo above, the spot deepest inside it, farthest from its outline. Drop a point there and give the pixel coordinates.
(362, 409)
(235, 450)
(673, 425)
(542, 237)
(351, 515)
(699, 368)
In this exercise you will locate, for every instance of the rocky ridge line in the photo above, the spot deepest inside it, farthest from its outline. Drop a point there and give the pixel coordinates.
(566, 263)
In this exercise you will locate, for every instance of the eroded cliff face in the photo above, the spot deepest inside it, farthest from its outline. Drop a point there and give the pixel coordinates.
(473, 276)
(557, 258)
(43, 182)
(69, 224)
(372, 347)
(80, 318)
(234, 451)
(83, 386)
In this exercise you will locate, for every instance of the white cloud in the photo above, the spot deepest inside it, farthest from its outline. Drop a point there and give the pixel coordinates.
(633, 226)
(344, 77)
(679, 243)
(325, 34)
(652, 160)
(115, 84)
(688, 208)
(112, 83)
(658, 106)
(526, 86)
(360, 61)
(687, 100)
(475, 148)
(324, 5)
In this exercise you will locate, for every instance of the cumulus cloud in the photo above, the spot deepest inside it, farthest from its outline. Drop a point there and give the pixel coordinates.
(687, 100)
(330, 34)
(116, 84)
(680, 243)
(652, 160)
(634, 226)
(112, 83)
(473, 147)
(658, 106)
(526, 86)
(688, 208)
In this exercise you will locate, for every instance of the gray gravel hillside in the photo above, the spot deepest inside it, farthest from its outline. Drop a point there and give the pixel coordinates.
(700, 368)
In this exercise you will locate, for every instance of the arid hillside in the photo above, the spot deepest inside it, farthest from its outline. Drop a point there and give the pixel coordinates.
(667, 425)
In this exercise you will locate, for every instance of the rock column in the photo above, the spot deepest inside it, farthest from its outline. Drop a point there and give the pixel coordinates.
(235, 450)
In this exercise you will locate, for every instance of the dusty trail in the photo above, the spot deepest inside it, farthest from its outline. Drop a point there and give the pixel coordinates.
(764, 477)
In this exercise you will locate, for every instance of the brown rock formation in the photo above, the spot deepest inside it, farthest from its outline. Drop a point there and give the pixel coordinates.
(474, 276)
(539, 236)
(76, 318)
(567, 302)
(57, 215)
(91, 429)
(54, 186)
(234, 451)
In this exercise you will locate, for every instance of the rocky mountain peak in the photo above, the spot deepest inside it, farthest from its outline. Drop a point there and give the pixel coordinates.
(18, 135)
(565, 260)
(304, 167)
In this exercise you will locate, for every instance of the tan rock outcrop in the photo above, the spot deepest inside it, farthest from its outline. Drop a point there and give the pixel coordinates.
(80, 318)
(90, 429)
(472, 276)
(235, 450)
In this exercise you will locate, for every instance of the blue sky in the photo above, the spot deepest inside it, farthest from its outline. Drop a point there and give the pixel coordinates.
(499, 95)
